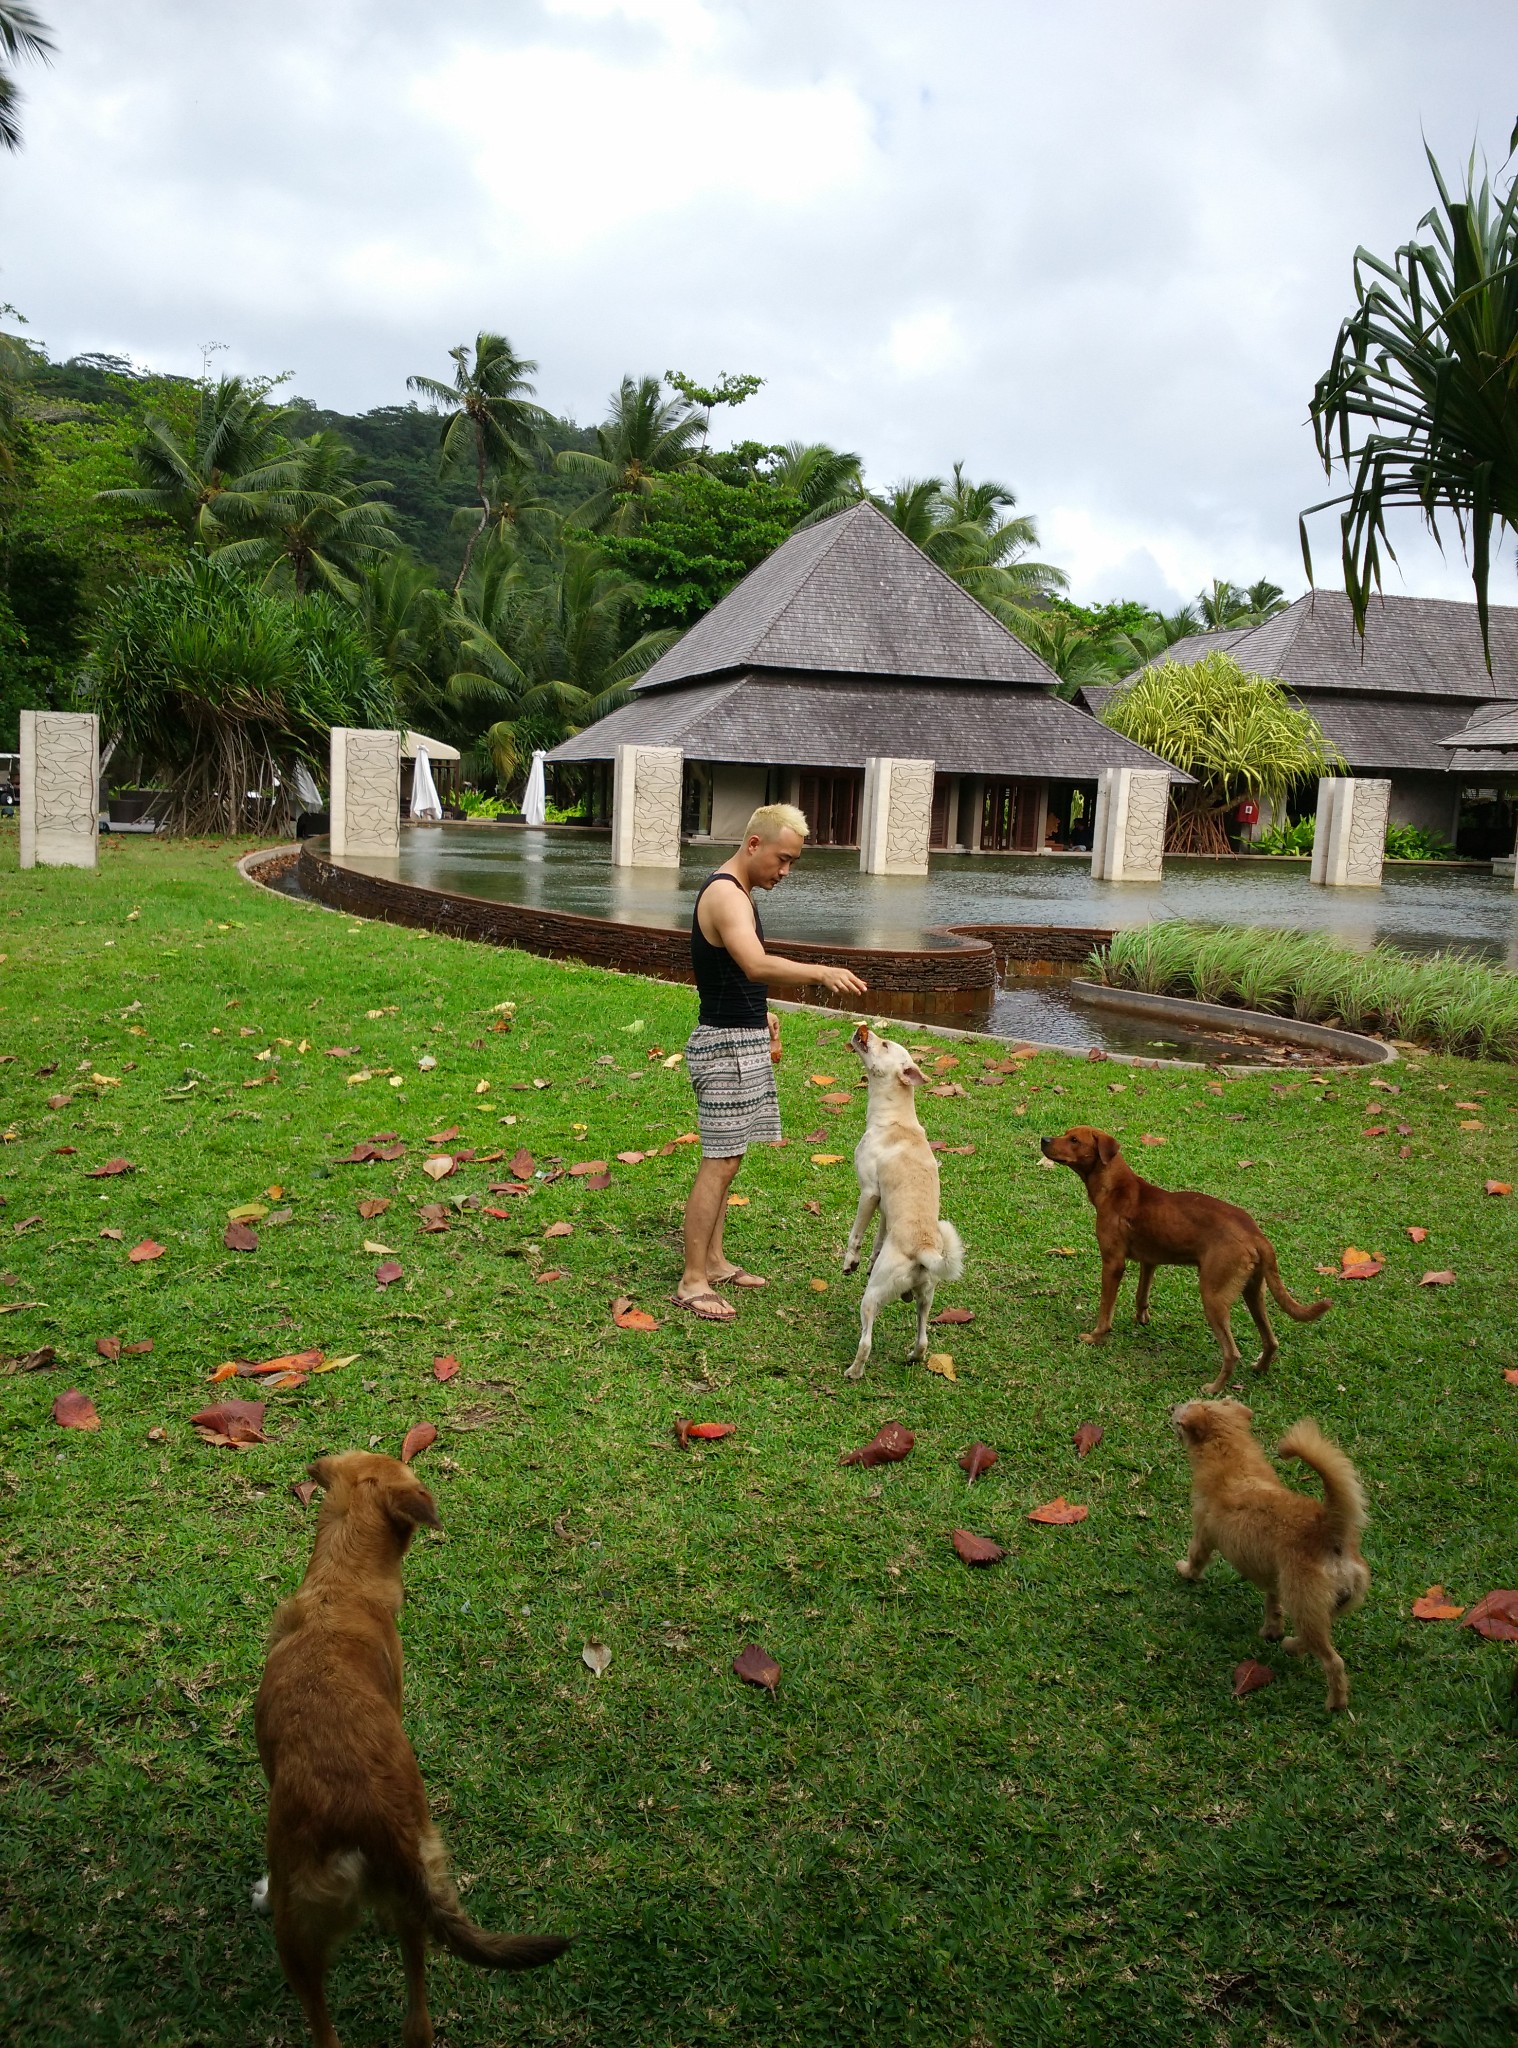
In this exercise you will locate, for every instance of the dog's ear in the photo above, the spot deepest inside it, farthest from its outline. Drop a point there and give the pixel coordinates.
(408, 1504)
(1106, 1147)
(913, 1075)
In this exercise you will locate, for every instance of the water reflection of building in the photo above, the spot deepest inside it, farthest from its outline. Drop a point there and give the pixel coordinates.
(1392, 703)
(848, 642)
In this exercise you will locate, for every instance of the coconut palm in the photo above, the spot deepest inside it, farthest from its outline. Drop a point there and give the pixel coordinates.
(1266, 599)
(1238, 734)
(646, 438)
(488, 419)
(1420, 400)
(218, 481)
(22, 34)
(319, 527)
(959, 525)
(546, 650)
(825, 480)
(402, 610)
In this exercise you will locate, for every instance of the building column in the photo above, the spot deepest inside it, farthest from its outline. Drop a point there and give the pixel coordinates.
(1128, 842)
(1349, 836)
(975, 785)
(60, 789)
(645, 807)
(951, 816)
(366, 793)
(896, 816)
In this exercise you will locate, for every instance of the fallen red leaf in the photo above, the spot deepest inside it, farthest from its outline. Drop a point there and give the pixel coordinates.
(559, 1230)
(632, 1158)
(1058, 1512)
(288, 1361)
(239, 1237)
(304, 1491)
(1087, 1437)
(1495, 1616)
(584, 1166)
(499, 1214)
(396, 1151)
(359, 1156)
(138, 1350)
(1441, 1279)
(1510, 1374)
(1374, 1131)
(758, 1667)
(231, 1422)
(814, 1207)
(976, 1549)
(372, 1206)
(1499, 1187)
(112, 1166)
(1249, 1677)
(705, 1432)
(1358, 1265)
(74, 1410)
(67, 1151)
(951, 1315)
(146, 1250)
(1416, 1233)
(626, 1317)
(418, 1436)
(444, 1368)
(595, 1180)
(888, 1446)
(1435, 1605)
(977, 1459)
(108, 1347)
(442, 1137)
(387, 1274)
(1151, 1138)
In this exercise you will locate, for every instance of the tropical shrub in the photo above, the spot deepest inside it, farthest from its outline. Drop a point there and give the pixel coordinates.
(1411, 842)
(475, 804)
(220, 688)
(1284, 839)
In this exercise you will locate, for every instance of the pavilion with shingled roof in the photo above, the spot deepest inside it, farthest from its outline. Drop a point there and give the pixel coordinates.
(849, 642)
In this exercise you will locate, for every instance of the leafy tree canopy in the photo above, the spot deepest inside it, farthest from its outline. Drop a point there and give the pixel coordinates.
(697, 539)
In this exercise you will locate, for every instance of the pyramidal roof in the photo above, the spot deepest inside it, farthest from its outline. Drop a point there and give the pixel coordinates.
(852, 596)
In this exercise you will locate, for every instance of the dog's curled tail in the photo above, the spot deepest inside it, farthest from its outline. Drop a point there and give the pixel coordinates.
(1343, 1497)
(448, 1923)
(1299, 1311)
(948, 1262)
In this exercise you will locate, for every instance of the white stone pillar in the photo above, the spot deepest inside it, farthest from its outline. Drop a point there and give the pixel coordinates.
(645, 807)
(366, 793)
(1349, 837)
(60, 789)
(897, 820)
(1128, 841)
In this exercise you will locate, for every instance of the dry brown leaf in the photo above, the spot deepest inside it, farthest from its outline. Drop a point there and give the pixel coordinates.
(943, 1364)
(813, 1208)
(822, 1080)
(757, 1666)
(632, 1158)
(433, 1217)
(372, 1206)
(111, 1167)
(1249, 1677)
(442, 1137)
(74, 1410)
(1441, 1279)
(1087, 1437)
(584, 1166)
(977, 1459)
(1472, 1123)
(108, 1347)
(626, 1317)
(445, 1367)
(976, 1549)
(947, 1088)
(229, 1423)
(1151, 1138)
(737, 1201)
(1358, 1265)
(596, 1181)
(888, 1446)
(1495, 1616)
(560, 1229)
(1435, 1605)
(239, 1237)
(115, 1235)
(839, 1099)
(945, 1063)
(146, 1250)
(596, 1658)
(954, 1315)
(1510, 1374)
(1416, 1232)
(440, 1166)
(418, 1436)
(1058, 1512)
(60, 1102)
(31, 1361)
(304, 1491)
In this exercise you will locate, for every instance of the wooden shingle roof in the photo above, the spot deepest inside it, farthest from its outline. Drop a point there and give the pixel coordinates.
(850, 596)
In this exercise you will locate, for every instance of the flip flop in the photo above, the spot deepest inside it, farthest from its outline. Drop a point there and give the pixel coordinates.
(740, 1278)
(705, 1315)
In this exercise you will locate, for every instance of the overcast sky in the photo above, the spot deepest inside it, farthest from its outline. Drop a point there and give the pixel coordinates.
(1099, 249)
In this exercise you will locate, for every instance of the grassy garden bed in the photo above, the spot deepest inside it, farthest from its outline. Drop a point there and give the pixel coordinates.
(984, 1807)
(1449, 1001)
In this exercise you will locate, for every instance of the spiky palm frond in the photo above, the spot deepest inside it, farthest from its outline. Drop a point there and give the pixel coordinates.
(489, 421)
(825, 480)
(646, 438)
(319, 526)
(217, 482)
(23, 33)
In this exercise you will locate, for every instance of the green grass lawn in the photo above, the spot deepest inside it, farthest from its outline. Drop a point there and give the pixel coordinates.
(1012, 1806)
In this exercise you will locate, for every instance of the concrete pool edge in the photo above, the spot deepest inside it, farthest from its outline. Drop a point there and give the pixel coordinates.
(1221, 1017)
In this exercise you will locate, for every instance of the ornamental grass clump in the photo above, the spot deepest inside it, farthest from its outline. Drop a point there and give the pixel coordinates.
(1448, 1000)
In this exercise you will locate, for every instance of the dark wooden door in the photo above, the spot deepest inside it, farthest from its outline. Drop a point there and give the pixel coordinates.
(831, 804)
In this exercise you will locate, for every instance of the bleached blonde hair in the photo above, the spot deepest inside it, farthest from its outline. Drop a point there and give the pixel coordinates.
(770, 820)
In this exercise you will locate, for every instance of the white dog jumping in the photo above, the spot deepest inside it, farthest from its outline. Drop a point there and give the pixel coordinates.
(898, 1175)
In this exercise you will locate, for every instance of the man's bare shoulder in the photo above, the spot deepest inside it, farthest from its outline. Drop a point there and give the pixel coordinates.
(726, 906)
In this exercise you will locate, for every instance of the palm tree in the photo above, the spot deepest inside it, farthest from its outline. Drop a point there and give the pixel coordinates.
(825, 480)
(1221, 606)
(646, 438)
(489, 422)
(403, 610)
(546, 652)
(1266, 600)
(1420, 400)
(319, 527)
(959, 525)
(216, 482)
(22, 34)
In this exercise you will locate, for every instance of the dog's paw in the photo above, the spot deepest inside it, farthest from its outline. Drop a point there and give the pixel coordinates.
(851, 1265)
(261, 1894)
(1142, 1320)
(1291, 1646)
(1094, 1336)
(1273, 1631)
(856, 1370)
(1186, 1568)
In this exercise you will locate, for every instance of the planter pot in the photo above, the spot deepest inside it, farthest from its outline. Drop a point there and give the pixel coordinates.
(133, 805)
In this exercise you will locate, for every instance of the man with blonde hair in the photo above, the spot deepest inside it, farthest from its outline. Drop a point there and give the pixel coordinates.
(733, 1052)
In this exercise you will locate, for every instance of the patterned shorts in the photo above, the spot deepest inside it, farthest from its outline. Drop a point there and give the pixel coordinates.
(734, 1079)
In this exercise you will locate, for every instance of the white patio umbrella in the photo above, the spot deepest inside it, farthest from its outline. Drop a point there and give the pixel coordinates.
(425, 802)
(534, 798)
(306, 790)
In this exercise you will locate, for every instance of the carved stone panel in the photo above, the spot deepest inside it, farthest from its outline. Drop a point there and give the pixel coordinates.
(366, 793)
(645, 812)
(897, 819)
(1349, 839)
(60, 789)
(1131, 813)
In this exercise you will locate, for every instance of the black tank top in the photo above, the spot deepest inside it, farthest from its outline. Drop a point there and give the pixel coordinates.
(728, 998)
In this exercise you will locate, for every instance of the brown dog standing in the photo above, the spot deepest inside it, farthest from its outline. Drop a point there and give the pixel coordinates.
(1303, 1554)
(348, 1819)
(1162, 1227)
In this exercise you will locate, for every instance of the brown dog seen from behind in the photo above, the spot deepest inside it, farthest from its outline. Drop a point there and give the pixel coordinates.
(348, 1821)
(1157, 1226)
(1303, 1554)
